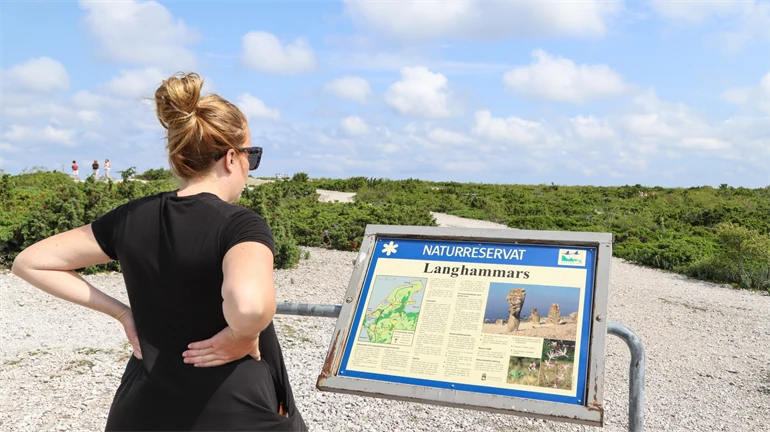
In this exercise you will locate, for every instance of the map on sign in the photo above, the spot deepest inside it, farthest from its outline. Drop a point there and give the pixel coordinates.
(393, 309)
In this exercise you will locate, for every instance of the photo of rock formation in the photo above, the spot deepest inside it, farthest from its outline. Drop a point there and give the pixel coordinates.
(507, 302)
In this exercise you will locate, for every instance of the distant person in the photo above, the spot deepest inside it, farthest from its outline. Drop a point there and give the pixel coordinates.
(95, 167)
(75, 175)
(199, 276)
(107, 167)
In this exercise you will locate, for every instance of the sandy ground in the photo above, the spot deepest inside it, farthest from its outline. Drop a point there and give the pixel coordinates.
(331, 196)
(446, 220)
(255, 182)
(565, 331)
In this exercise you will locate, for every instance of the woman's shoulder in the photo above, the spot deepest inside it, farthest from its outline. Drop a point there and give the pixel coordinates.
(235, 211)
(138, 203)
(243, 224)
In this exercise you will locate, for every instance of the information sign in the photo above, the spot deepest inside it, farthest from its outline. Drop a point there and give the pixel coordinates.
(493, 319)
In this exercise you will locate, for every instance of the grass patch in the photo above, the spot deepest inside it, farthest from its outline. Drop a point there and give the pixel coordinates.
(686, 305)
(79, 366)
(92, 351)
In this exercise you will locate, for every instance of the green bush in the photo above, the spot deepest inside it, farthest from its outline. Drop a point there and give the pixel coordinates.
(300, 177)
(156, 174)
(673, 229)
(719, 234)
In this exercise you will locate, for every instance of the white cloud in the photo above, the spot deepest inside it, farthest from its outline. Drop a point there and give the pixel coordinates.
(92, 100)
(738, 96)
(764, 85)
(354, 126)
(419, 20)
(38, 75)
(659, 123)
(263, 52)
(513, 130)
(46, 109)
(693, 11)
(420, 93)
(253, 107)
(140, 33)
(751, 96)
(560, 79)
(740, 21)
(372, 60)
(591, 128)
(350, 87)
(46, 135)
(703, 144)
(648, 133)
(443, 136)
(7, 147)
(136, 83)
(652, 130)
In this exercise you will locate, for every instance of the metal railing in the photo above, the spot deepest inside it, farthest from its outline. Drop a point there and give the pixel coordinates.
(635, 372)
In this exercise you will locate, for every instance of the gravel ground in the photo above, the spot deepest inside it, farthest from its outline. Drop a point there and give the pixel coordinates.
(708, 364)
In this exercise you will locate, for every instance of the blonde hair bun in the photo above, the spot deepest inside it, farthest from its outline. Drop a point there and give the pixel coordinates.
(177, 98)
(198, 129)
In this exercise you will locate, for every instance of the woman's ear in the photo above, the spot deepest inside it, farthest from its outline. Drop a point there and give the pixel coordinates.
(230, 160)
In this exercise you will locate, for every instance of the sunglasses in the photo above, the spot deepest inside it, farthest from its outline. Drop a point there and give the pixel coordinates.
(255, 156)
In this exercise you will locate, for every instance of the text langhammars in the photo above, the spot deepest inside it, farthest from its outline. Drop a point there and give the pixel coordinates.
(472, 271)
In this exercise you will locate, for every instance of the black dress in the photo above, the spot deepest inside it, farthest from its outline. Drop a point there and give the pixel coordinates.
(170, 250)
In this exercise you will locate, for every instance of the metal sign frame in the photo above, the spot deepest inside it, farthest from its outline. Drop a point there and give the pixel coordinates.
(589, 412)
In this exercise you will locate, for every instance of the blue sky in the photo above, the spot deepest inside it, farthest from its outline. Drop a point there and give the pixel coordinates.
(590, 93)
(540, 297)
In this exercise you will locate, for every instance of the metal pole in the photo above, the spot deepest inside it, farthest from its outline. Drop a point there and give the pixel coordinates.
(305, 309)
(635, 374)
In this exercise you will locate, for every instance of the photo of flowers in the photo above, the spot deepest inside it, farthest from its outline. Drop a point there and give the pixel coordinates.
(556, 364)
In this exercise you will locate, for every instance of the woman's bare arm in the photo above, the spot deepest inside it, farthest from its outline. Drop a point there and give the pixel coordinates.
(50, 265)
(248, 293)
(248, 289)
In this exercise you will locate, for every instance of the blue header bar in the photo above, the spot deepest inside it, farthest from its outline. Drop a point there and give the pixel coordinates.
(483, 252)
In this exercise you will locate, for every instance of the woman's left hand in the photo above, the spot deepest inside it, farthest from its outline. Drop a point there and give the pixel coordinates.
(127, 319)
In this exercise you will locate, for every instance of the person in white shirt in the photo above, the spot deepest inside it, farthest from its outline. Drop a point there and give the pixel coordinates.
(75, 175)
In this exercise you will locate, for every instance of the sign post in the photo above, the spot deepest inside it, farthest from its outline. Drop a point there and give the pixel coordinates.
(498, 320)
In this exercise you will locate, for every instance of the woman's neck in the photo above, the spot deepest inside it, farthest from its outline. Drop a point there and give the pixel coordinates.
(206, 184)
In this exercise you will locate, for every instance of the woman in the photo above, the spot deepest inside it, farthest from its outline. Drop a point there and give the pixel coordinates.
(199, 277)
(107, 166)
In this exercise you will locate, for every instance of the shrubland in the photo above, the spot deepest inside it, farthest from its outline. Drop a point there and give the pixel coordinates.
(718, 234)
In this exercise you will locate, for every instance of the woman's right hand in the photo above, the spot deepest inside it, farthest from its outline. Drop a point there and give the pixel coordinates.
(222, 348)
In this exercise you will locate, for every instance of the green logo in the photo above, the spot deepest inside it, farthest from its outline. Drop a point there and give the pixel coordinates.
(571, 257)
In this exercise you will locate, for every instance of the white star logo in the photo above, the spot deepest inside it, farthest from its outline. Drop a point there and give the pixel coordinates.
(389, 248)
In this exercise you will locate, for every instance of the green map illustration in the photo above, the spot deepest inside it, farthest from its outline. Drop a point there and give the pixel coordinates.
(394, 304)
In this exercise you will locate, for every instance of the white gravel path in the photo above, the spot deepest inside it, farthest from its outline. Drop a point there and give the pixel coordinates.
(331, 196)
(708, 364)
(445, 220)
